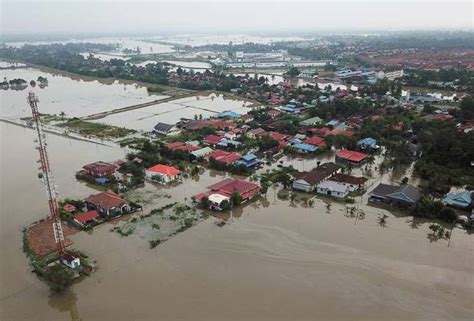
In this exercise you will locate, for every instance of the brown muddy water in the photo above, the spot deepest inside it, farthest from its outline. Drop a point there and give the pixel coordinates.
(74, 95)
(273, 261)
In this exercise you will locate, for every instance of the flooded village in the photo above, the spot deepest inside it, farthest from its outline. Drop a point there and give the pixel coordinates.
(199, 178)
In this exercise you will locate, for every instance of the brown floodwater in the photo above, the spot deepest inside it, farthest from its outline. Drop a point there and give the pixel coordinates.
(274, 260)
(74, 95)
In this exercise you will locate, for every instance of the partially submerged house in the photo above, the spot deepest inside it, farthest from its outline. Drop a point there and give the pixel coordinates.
(201, 152)
(107, 204)
(100, 169)
(307, 181)
(70, 261)
(250, 160)
(305, 148)
(402, 196)
(165, 129)
(316, 141)
(332, 188)
(163, 173)
(461, 200)
(368, 143)
(222, 191)
(185, 147)
(84, 219)
(223, 157)
(353, 183)
(351, 157)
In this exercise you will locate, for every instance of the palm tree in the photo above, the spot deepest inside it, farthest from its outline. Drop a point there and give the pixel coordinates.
(292, 197)
(370, 160)
(62, 115)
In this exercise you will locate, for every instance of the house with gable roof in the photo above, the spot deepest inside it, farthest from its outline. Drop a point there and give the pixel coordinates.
(402, 196)
(461, 200)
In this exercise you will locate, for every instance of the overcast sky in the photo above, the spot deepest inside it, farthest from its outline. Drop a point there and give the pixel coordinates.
(83, 16)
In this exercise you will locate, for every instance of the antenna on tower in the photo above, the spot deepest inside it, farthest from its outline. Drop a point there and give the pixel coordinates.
(46, 175)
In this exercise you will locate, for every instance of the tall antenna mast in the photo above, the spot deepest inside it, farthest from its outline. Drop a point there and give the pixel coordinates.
(47, 177)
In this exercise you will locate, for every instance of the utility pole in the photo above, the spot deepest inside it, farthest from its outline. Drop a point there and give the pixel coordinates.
(46, 175)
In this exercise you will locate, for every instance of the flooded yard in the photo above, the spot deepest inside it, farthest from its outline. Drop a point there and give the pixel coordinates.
(279, 259)
(74, 95)
(172, 111)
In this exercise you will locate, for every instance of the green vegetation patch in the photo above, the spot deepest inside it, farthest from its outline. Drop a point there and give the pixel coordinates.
(159, 224)
(86, 128)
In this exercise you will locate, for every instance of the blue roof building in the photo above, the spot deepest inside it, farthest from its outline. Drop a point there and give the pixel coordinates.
(227, 143)
(333, 123)
(367, 142)
(342, 125)
(290, 108)
(228, 113)
(461, 199)
(305, 148)
(249, 160)
(102, 180)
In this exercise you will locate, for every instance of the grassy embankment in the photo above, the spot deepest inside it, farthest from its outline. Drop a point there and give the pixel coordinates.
(91, 129)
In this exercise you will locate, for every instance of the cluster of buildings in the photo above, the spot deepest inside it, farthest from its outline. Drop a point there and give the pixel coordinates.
(276, 59)
(368, 74)
(98, 208)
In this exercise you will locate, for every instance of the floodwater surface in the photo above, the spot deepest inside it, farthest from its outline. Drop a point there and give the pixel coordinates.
(172, 111)
(274, 260)
(74, 95)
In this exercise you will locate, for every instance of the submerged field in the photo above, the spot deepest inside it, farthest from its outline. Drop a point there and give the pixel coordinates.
(172, 111)
(74, 95)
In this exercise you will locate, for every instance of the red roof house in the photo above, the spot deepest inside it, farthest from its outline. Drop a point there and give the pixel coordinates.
(87, 217)
(100, 169)
(212, 140)
(254, 133)
(316, 141)
(227, 187)
(351, 156)
(163, 172)
(277, 136)
(219, 124)
(319, 131)
(223, 157)
(182, 146)
(108, 203)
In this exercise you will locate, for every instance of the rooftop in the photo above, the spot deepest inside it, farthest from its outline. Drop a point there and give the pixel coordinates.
(106, 200)
(351, 155)
(164, 169)
(84, 217)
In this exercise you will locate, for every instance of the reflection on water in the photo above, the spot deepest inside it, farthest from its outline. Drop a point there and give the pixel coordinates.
(74, 95)
(65, 302)
(172, 111)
